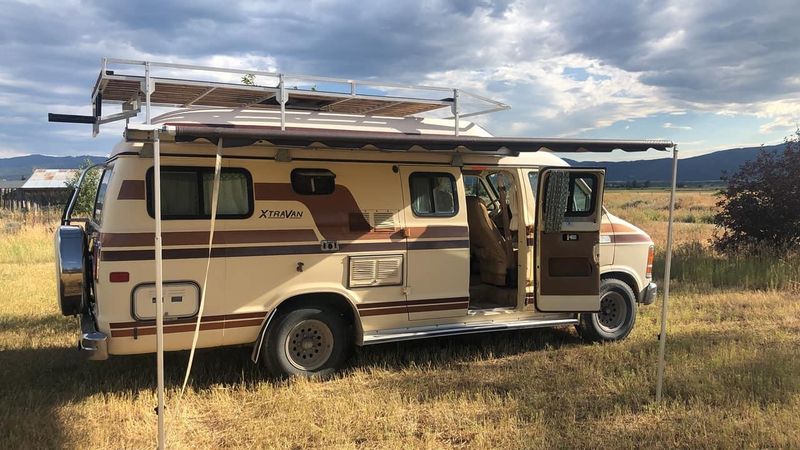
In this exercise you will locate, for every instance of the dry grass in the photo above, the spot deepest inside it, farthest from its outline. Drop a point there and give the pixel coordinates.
(649, 210)
(731, 382)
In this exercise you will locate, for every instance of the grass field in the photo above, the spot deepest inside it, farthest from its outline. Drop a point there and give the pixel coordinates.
(731, 381)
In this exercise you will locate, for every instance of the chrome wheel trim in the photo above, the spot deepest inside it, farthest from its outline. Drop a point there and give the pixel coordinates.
(613, 312)
(309, 344)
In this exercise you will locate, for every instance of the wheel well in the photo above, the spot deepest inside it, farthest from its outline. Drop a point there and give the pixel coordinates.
(625, 278)
(326, 299)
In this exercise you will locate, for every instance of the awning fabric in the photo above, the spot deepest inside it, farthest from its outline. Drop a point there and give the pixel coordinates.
(239, 136)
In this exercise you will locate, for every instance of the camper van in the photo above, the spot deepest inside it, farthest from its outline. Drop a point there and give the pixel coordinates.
(335, 229)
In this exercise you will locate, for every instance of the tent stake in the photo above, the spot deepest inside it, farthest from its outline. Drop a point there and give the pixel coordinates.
(662, 337)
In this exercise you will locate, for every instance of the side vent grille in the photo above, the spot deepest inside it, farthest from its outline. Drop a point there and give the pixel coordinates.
(383, 221)
(376, 270)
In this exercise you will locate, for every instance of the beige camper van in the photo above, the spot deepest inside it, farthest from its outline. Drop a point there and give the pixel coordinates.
(335, 229)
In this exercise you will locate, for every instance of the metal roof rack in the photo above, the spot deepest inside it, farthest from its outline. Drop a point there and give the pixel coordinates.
(137, 88)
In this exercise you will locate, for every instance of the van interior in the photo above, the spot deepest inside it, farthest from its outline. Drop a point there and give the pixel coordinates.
(491, 198)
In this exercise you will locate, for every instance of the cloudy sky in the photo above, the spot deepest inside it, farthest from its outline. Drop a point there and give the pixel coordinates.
(708, 74)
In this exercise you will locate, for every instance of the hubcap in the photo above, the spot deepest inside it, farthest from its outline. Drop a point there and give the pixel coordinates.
(309, 344)
(612, 312)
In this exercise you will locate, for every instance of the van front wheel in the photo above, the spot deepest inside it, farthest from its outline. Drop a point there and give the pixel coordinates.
(617, 313)
(308, 341)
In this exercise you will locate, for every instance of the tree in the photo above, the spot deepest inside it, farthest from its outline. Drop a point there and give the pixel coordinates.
(759, 209)
(249, 79)
(88, 192)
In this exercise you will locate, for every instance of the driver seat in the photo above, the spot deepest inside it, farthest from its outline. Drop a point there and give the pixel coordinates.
(487, 243)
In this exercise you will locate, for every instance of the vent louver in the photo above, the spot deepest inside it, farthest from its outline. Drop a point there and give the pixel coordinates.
(376, 270)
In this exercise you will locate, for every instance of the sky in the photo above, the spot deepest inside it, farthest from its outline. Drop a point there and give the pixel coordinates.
(709, 75)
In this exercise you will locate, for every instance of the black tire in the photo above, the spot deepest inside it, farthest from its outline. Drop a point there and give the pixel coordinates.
(309, 341)
(617, 314)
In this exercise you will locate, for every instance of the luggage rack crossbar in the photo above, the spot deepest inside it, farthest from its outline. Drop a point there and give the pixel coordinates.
(133, 84)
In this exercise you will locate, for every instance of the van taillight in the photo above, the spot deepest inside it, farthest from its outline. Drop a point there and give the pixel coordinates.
(650, 254)
(119, 277)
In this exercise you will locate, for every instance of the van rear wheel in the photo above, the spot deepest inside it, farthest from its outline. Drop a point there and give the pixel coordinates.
(617, 314)
(308, 341)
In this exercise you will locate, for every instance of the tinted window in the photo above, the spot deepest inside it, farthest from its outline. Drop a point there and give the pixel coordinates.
(313, 181)
(433, 194)
(582, 189)
(101, 195)
(186, 193)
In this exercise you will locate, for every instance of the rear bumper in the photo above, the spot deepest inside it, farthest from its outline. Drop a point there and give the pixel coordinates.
(648, 294)
(92, 343)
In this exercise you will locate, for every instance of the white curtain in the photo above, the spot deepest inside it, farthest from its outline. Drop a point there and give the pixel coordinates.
(232, 193)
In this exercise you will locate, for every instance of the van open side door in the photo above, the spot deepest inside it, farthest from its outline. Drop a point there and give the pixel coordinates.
(569, 212)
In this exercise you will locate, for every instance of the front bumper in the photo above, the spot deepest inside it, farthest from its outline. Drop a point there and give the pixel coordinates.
(648, 295)
(92, 343)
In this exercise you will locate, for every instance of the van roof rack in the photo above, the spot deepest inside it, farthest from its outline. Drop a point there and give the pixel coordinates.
(137, 87)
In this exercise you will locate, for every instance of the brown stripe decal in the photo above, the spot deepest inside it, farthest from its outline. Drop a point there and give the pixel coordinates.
(443, 307)
(152, 323)
(431, 245)
(402, 307)
(201, 237)
(131, 190)
(383, 312)
(630, 238)
(335, 214)
(144, 328)
(233, 252)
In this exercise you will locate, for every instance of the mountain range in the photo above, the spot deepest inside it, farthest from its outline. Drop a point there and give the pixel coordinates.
(21, 167)
(706, 168)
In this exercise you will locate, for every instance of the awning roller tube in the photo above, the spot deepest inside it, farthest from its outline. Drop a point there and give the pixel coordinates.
(240, 136)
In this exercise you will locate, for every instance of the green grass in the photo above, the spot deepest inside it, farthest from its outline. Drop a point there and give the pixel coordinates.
(731, 380)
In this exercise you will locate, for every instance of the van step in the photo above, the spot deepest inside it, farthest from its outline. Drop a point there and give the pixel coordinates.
(407, 334)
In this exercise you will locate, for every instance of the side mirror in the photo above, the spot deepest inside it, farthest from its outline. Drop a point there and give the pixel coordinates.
(555, 202)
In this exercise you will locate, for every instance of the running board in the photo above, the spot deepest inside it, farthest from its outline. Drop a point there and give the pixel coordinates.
(407, 334)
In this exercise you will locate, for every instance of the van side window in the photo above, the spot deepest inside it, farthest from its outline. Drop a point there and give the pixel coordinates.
(313, 181)
(186, 193)
(433, 194)
(581, 196)
(99, 201)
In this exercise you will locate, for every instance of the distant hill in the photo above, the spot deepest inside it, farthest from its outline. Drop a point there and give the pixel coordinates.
(22, 166)
(704, 168)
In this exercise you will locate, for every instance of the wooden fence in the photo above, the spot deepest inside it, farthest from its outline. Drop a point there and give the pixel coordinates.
(16, 199)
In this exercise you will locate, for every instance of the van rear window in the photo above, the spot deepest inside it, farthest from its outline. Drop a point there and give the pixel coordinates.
(186, 193)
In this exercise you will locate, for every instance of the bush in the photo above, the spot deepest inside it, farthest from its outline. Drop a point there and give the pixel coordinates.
(760, 207)
(85, 204)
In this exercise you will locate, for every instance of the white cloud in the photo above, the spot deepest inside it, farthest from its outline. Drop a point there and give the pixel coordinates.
(672, 126)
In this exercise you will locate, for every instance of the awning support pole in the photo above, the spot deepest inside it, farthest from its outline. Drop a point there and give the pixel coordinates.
(282, 100)
(159, 266)
(662, 336)
(456, 111)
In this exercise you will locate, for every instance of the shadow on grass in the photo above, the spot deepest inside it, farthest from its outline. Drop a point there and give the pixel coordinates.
(534, 367)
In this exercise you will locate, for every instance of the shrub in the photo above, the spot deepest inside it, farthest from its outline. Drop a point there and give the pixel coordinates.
(88, 192)
(760, 207)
